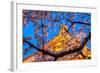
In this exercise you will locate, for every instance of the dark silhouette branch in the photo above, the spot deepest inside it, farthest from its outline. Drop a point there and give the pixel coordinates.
(76, 22)
(76, 49)
(62, 53)
(41, 50)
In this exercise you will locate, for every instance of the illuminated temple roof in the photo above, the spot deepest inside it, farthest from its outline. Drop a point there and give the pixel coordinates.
(63, 41)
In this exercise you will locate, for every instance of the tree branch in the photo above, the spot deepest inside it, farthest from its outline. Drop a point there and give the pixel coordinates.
(62, 53)
(41, 50)
(77, 23)
(76, 49)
